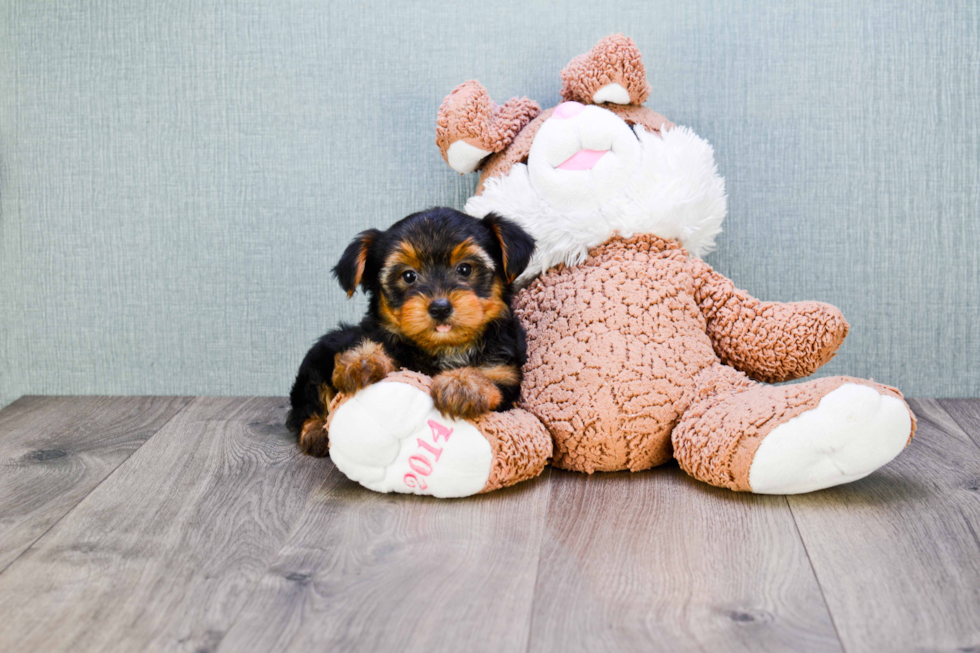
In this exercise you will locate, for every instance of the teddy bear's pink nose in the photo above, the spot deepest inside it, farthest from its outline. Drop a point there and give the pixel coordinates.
(568, 110)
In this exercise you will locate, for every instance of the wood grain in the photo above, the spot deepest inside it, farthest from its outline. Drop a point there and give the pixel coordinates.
(371, 572)
(216, 534)
(897, 553)
(656, 561)
(55, 450)
(966, 414)
(165, 552)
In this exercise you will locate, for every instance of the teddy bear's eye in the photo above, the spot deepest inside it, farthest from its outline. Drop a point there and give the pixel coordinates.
(464, 269)
(409, 276)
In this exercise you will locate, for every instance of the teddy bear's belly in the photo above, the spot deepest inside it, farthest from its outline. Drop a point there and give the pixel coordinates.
(611, 350)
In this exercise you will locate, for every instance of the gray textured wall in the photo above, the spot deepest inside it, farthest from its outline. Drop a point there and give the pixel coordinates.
(177, 178)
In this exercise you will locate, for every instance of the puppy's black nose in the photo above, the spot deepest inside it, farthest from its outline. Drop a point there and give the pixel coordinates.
(440, 308)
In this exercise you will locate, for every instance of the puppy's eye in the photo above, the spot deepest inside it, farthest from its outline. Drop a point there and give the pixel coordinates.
(409, 276)
(464, 269)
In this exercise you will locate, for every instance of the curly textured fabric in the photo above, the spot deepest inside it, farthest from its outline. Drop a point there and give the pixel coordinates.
(769, 341)
(730, 415)
(521, 446)
(499, 164)
(614, 60)
(470, 115)
(613, 346)
(520, 443)
(638, 328)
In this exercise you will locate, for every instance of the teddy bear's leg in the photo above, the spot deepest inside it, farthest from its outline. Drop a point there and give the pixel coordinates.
(789, 439)
(389, 438)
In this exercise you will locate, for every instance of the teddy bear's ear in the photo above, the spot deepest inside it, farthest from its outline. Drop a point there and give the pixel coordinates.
(471, 127)
(611, 72)
(350, 269)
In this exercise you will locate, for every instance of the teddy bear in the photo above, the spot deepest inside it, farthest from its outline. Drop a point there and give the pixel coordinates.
(638, 351)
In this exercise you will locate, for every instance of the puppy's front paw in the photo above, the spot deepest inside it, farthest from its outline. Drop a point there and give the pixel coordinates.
(360, 367)
(464, 393)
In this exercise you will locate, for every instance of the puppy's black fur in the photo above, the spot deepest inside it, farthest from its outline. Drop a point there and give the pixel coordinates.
(439, 285)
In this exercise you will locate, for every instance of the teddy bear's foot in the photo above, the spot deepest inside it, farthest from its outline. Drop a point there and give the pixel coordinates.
(390, 438)
(853, 431)
(789, 439)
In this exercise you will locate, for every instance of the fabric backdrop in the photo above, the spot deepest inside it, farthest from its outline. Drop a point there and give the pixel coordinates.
(178, 178)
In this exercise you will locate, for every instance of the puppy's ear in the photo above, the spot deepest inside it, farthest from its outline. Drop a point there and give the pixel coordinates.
(350, 269)
(516, 245)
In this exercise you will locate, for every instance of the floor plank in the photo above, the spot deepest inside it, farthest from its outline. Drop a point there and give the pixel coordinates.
(55, 450)
(966, 413)
(372, 572)
(215, 533)
(897, 553)
(165, 552)
(656, 561)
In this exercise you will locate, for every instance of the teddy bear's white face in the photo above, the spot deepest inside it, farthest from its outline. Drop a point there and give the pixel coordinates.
(582, 157)
(590, 176)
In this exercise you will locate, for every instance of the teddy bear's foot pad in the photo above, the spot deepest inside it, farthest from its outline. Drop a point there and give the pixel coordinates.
(389, 438)
(853, 431)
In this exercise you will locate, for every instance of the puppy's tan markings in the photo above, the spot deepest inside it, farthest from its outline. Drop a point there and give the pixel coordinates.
(327, 394)
(361, 366)
(390, 318)
(366, 241)
(464, 393)
(494, 306)
(313, 437)
(415, 321)
(404, 255)
(502, 374)
(470, 250)
(503, 251)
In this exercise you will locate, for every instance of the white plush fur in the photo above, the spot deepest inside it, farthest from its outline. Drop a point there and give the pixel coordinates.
(674, 192)
(375, 435)
(583, 190)
(853, 431)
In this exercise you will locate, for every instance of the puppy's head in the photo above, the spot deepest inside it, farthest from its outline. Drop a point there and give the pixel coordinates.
(438, 277)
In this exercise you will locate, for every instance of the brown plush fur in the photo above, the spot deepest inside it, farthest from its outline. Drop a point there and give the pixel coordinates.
(643, 330)
(468, 114)
(614, 60)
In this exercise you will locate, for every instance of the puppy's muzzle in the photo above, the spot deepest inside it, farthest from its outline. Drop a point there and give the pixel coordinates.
(440, 309)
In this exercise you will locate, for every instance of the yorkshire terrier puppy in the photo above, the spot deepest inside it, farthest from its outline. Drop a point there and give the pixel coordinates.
(439, 285)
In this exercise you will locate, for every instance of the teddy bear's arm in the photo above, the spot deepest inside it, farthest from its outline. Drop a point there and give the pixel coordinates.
(769, 341)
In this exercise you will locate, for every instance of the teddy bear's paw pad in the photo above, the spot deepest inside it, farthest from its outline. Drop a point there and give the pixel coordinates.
(464, 158)
(853, 431)
(389, 438)
(613, 93)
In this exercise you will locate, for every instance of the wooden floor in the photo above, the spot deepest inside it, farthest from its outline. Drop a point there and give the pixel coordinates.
(193, 524)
